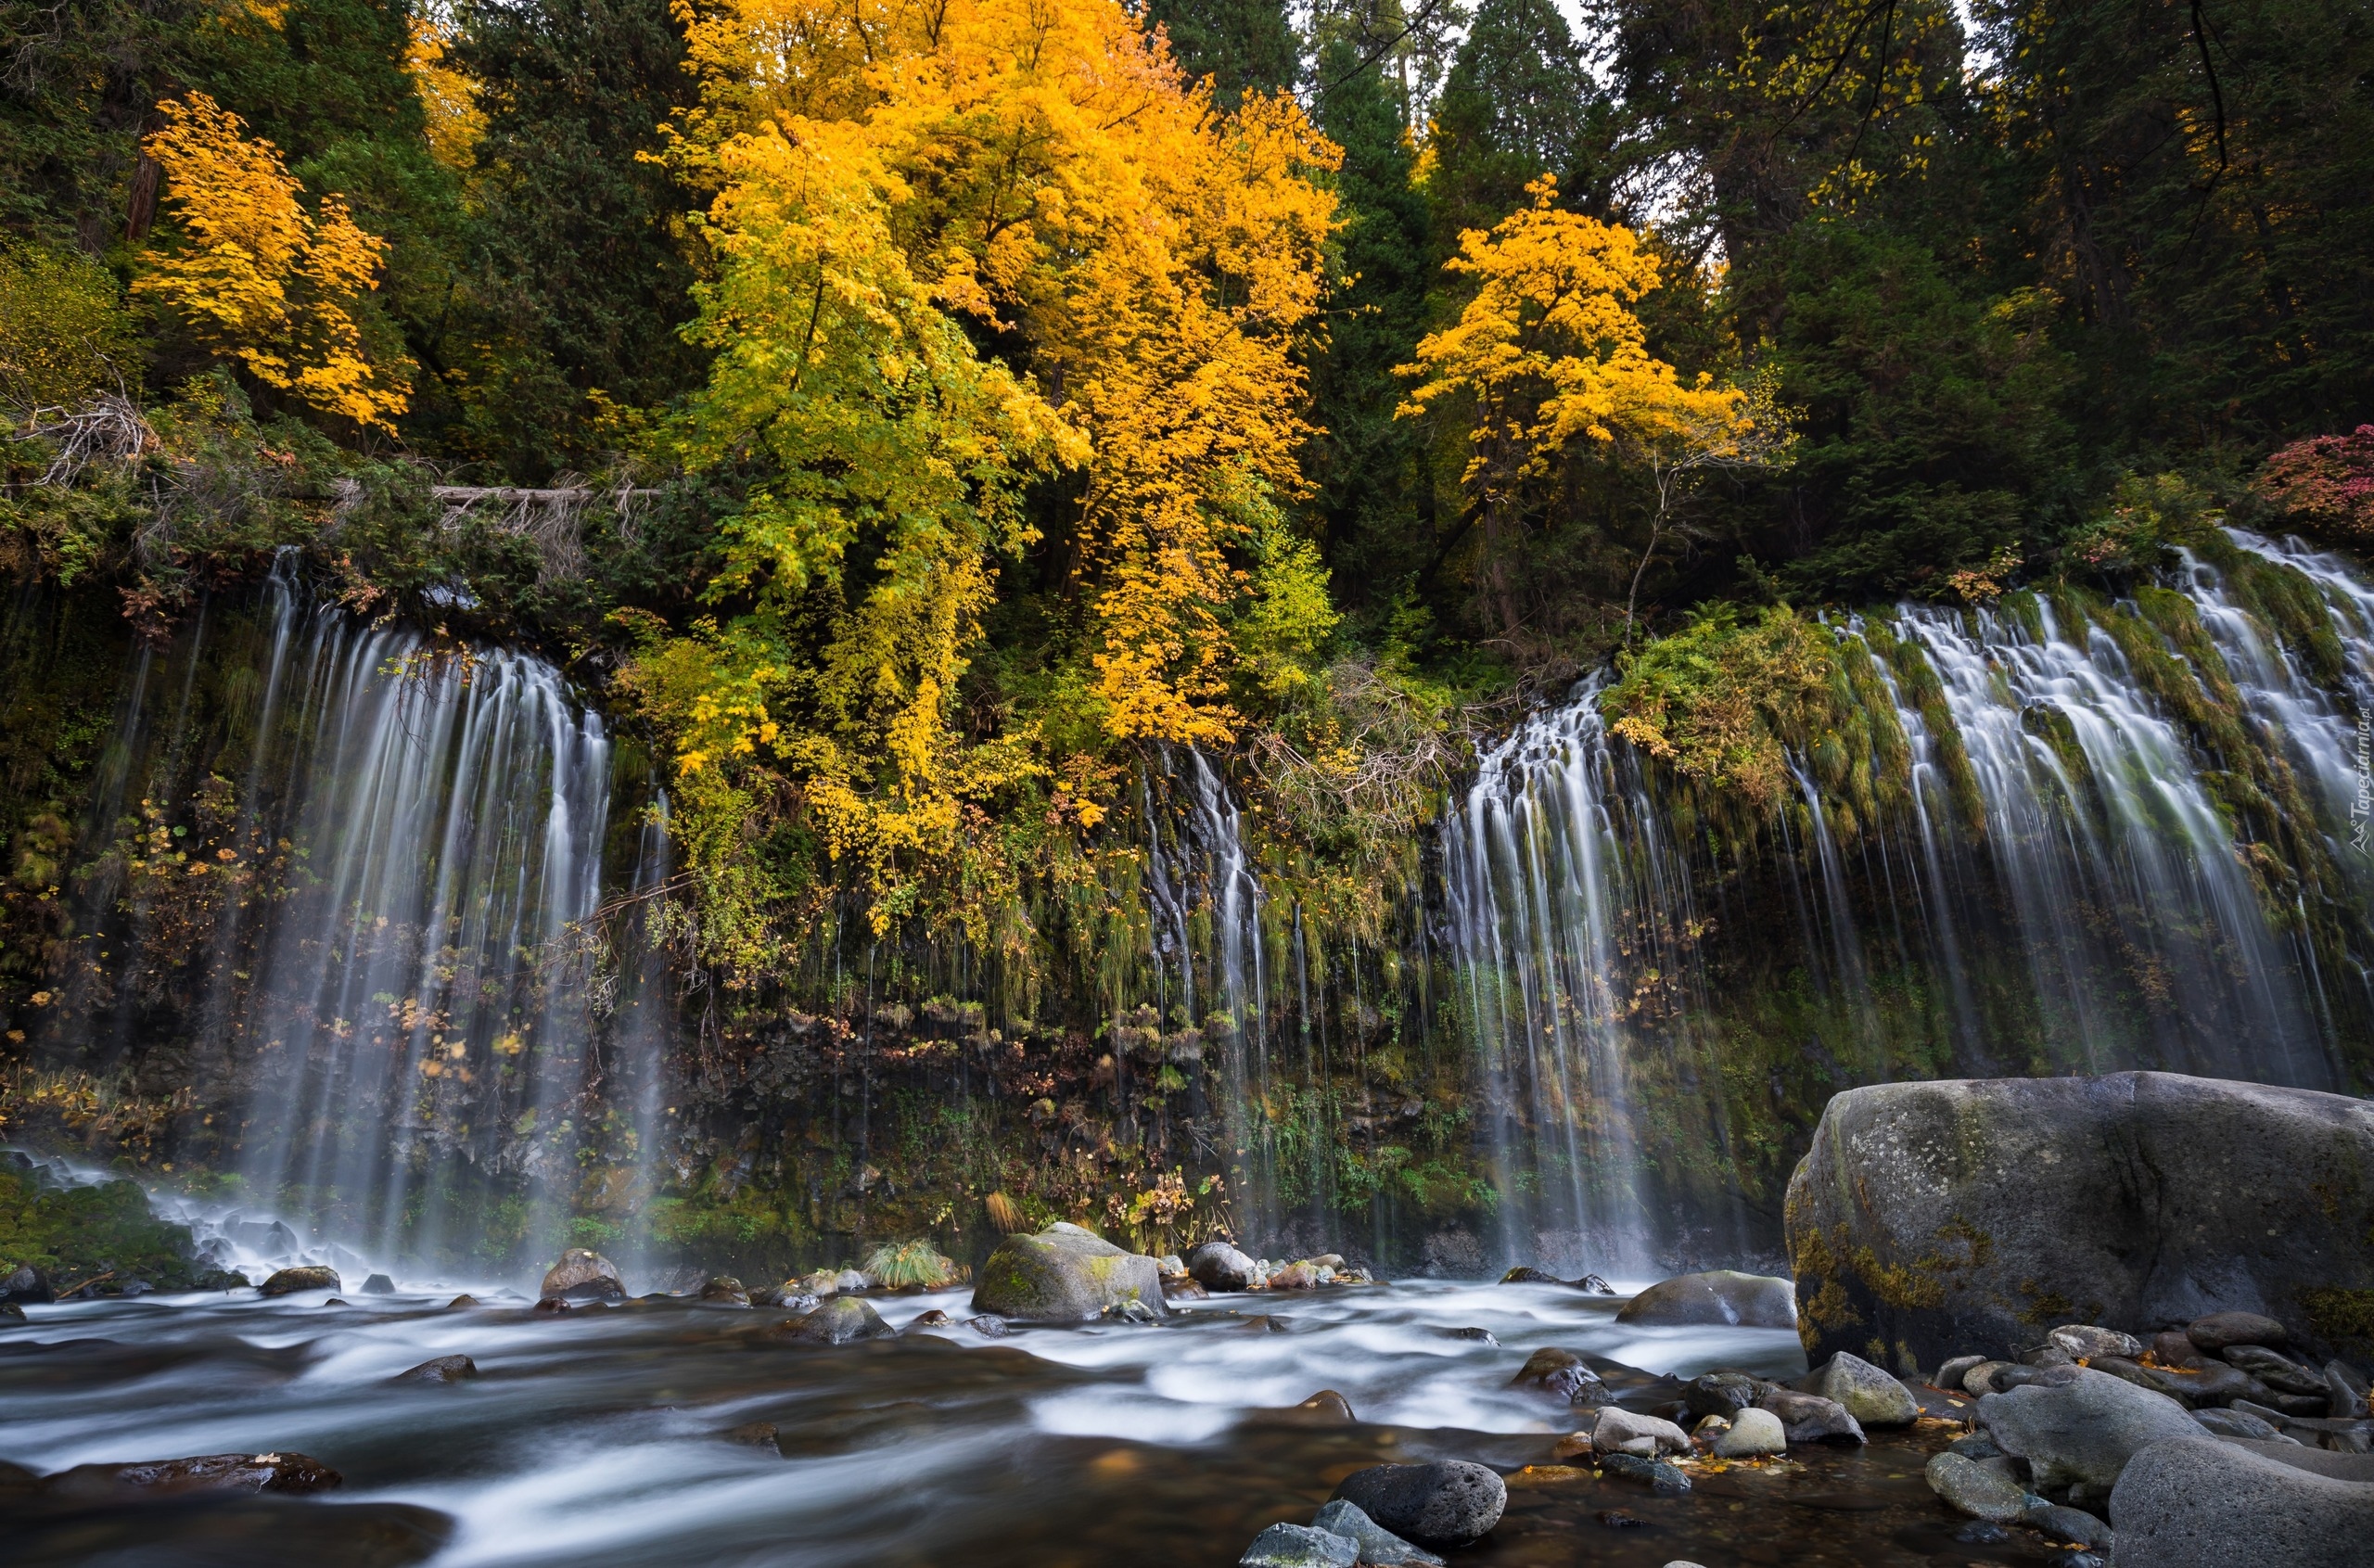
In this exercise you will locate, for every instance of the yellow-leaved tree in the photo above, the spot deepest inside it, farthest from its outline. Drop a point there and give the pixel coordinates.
(964, 248)
(256, 277)
(1549, 360)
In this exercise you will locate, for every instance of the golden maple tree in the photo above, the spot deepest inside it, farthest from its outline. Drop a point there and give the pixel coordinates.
(257, 277)
(899, 184)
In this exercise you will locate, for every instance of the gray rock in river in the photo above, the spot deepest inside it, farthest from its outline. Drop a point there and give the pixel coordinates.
(1666, 1480)
(1971, 1488)
(2215, 1502)
(1722, 1393)
(1065, 1274)
(1870, 1395)
(443, 1368)
(2079, 1428)
(1722, 1296)
(583, 1275)
(1562, 1375)
(1378, 1545)
(842, 1320)
(287, 1281)
(1299, 1546)
(1216, 1266)
(2071, 1525)
(1936, 1217)
(281, 1472)
(1809, 1417)
(1445, 1504)
(1753, 1435)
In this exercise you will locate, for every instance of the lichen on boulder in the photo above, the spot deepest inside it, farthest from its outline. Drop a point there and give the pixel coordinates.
(1064, 1274)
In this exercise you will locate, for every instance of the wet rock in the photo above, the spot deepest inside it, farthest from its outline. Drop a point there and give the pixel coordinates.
(849, 1282)
(2080, 1432)
(1950, 1375)
(378, 1284)
(1977, 1445)
(1326, 1408)
(2083, 1342)
(1132, 1312)
(1563, 1374)
(1216, 1266)
(2345, 1390)
(287, 1281)
(1525, 1274)
(2044, 1355)
(583, 1275)
(1296, 1277)
(1619, 1431)
(1479, 1336)
(1981, 1378)
(11, 1313)
(988, 1326)
(334, 1301)
(1183, 1290)
(2212, 1334)
(1171, 1266)
(2211, 1502)
(935, 1318)
(463, 1300)
(1299, 1546)
(2171, 1347)
(1753, 1435)
(1722, 1393)
(279, 1473)
(553, 1303)
(724, 1289)
(26, 1282)
(443, 1368)
(755, 1433)
(1617, 1519)
(1870, 1395)
(1262, 1323)
(2071, 1525)
(1657, 1475)
(2277, 1370)
(842, 1320)
(2237, 1424)
(1722, 1296)
(1064, 1274)
(1809, 1417)
(1973, 1488)
(1378, 1545)
(2133, 1197)
(1445, 1504)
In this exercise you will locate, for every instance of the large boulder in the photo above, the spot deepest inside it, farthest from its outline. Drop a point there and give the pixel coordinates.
(1448, 1504)
(2213, 1502)
(1929, 1220)
(1722, 1296)
(843, 1320)
(2078, 1427)
(583, 1274)
(1065, 1274)
(1216, 1266)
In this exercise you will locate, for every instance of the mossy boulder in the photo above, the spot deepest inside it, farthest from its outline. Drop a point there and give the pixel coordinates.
(70, 1236)
(1974, 1216)
(1064, 1274)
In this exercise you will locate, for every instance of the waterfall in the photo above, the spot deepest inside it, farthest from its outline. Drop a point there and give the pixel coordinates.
(1572, 920)
(2075, 876)
(360, 870)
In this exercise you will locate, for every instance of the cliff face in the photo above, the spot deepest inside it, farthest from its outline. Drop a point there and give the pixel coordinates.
(385, 929)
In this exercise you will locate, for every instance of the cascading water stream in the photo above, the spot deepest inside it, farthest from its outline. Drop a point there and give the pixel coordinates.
(396, 846)
(2082, 894)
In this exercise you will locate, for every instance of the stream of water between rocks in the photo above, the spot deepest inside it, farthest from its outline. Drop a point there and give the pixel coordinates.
(599, 1436)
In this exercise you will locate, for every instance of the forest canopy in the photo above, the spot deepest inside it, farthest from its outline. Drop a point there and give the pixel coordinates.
(989, 394)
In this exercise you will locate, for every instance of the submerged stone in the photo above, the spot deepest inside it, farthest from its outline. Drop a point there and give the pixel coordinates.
(445, 1369)
(278, 1472)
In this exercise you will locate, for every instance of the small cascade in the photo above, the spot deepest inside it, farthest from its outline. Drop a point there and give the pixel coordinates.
(1572, 924)
(359, 867)
(1206, 904)
(642, 1019)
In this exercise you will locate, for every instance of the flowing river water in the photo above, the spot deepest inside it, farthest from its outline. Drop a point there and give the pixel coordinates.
(600, 1436)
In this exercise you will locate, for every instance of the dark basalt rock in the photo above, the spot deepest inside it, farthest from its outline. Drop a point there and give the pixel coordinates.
(725, 1289)
(1722, 1393)
(287, 1281)
(2213, 1334)
(11, 1313)
(279, 1473)
(1445, 1504)
(1940, 1217)
(378, 1284)
(1562, 1375)
(26, 1282)
(1661, 1478)
(583, 1275)
(443, 1368)
(2278, 1371)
